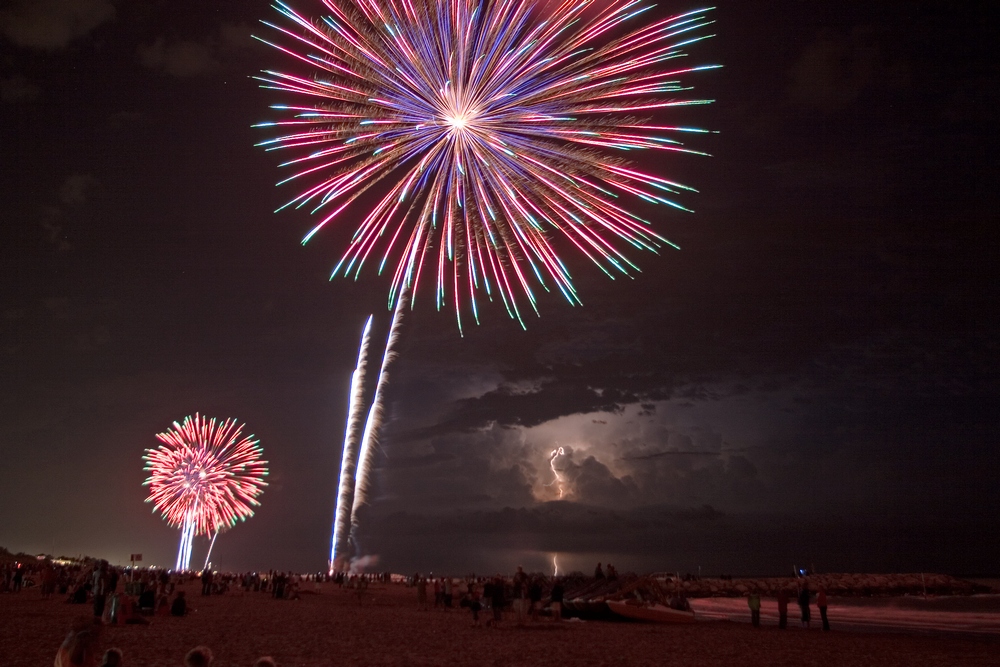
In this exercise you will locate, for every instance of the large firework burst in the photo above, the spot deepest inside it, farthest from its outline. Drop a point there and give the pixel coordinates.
(204, 478)
(496, 127)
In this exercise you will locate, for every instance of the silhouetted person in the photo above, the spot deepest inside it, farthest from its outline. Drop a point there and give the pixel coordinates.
(535, 597)
(112, 658)
(782, 609)
(804, 605)
(497, 600)
(199, 656)
(147, 600)
(598, 572)
(179, 606)
(100, 582)
(754, 603)
(80, 648)
(558, 592)
(821, 604)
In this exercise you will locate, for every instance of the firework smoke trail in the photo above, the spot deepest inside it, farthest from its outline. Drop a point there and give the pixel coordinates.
(205, 476)
(558, 476)
(376, 413)
(489, 128)
(342, 514)
(187, 537)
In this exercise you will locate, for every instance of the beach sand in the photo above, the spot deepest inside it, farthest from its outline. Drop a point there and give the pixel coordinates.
(330, 628)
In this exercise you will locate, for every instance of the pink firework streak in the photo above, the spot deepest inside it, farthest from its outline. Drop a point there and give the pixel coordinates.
(498, 129)
(204, 477)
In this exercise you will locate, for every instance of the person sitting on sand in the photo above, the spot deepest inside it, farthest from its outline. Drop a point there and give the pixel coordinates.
(128, 612)
(179, 607)
(79, 595)
(199, 656)
(112, 658)
(147, 599)
(80, 648)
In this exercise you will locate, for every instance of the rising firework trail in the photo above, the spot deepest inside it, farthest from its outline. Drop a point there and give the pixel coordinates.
(204, 477)
(348, 461)
(375, 415)
(488, 134)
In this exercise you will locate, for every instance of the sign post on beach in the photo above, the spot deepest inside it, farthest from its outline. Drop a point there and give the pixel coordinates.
(135, 558)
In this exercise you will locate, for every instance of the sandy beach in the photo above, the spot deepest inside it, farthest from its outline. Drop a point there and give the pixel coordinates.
(331, 628)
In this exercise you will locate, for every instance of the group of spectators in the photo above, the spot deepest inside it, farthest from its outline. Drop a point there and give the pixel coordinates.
(522, 594)
(81, 648)
(804, 600)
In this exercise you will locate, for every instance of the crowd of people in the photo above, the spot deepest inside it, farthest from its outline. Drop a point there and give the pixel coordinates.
(522, 595)
(82, 648)
(804, 600)
(124, 596)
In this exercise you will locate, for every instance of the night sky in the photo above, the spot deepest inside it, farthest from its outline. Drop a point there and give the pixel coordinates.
(812, 380)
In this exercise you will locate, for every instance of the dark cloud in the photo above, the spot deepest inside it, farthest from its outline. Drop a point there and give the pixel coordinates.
(50, 25)
(664, 538)
(55, 219)
(76, 188)
(18, 89)
(592, 482)
(187, 58)
(835, 69)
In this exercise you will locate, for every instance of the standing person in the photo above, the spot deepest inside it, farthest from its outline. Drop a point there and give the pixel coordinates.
(438, 599)
(520, 594)
(487, 597)
(497, 600)
(535, 597)
(598, 572)
(474, 604)
(48, 580)
(98, 589)
(804, 605)
(421, 593)
(821, 603)
(446, 595)
(558, 592)
(782, 609)
(754, 603)
(206, 582)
